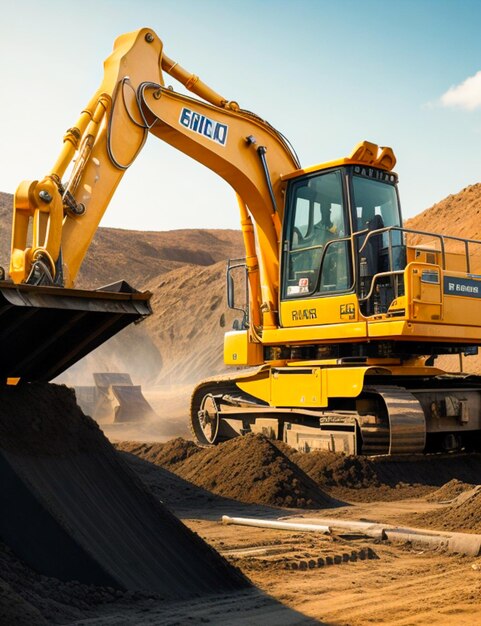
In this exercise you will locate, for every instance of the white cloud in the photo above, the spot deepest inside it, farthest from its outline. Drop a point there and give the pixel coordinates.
(467, 95)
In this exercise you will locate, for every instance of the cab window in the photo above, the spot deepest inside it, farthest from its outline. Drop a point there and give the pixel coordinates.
(317, 262)
(377, 207)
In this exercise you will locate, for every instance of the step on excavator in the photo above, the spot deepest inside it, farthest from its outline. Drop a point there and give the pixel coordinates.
(344, 311)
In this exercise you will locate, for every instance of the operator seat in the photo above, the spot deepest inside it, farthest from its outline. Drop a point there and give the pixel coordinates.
(372, 221)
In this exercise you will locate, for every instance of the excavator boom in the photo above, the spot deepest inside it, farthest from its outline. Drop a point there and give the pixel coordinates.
(55, 220)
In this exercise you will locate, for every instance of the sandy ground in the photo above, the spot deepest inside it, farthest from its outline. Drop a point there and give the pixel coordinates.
(360, 582)
(296, 577)
(396, 585)
(339, 580)
(349, 581)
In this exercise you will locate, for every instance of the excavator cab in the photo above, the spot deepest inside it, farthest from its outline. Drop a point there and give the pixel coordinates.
(343, 229)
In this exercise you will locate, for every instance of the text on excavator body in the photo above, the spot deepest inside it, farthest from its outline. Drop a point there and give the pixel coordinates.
(204, 126)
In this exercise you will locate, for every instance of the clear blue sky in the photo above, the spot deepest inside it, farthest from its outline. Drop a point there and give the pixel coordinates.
(327, 74)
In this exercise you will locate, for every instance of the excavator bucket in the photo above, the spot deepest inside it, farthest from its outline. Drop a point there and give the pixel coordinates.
(114, 398)
(45, 330)
(132, 405)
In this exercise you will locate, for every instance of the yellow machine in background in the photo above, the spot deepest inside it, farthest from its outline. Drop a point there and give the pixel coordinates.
(344, 313)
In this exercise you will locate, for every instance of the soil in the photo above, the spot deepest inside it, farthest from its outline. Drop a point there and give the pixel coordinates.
(463, 514)
(73, 510)
(248, 469)
(357, 479)
(298, 578)
(167, 455)
(450, 491)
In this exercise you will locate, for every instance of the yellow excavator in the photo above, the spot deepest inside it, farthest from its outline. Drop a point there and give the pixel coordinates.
(345, 311)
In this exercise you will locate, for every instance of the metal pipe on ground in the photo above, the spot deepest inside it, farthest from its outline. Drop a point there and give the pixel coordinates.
(263, 523)
(461, 543)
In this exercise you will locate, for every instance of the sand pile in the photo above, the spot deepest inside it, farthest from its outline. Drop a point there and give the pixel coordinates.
(450, 491)
(72, 509)
(253, 469)
(190, 319)
(330, 469)
(27, 597)
(248, 469)
(457, 214)
(166, 454)
(356, 478)
(385, 478)
(463, 514)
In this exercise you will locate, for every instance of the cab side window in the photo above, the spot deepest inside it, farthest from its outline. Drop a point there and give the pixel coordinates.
(317, 261)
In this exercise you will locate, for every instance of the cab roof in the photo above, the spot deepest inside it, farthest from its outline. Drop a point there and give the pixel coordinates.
(364, 154)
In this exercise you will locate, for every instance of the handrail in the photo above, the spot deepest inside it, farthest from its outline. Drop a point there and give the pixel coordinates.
(374, 279)
(442, 241)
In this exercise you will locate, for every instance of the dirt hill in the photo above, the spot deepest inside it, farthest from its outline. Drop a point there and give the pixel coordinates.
(189, 323)
(458, 214)
(248, 469)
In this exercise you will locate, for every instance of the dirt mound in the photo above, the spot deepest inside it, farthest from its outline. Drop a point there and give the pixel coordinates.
(349, 477)
(27, 597)
(370, 478)
(166, 454)
(450, 491)
(462, 515)
(248, 469)
(330, 469)
(72, 509)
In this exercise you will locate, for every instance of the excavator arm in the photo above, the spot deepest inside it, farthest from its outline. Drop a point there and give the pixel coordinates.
(132, 102)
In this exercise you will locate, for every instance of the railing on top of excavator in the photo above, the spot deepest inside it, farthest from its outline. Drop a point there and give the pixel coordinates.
(384, 253)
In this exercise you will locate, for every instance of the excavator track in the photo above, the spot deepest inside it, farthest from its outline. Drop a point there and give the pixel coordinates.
(397, 421)
(214, 388)
(404, 432)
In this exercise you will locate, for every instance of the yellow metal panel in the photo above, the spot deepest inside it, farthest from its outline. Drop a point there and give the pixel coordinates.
(343, 382)
(316, 311)
(431, 293)
(395, 329)
(318, 168)
(462, 307)
(431, 253)
(258, 385)
(330, 332)
(466, 310)
(238, 350)
(426, 312)
(297, 387)
(406, 370)
(306, 387)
